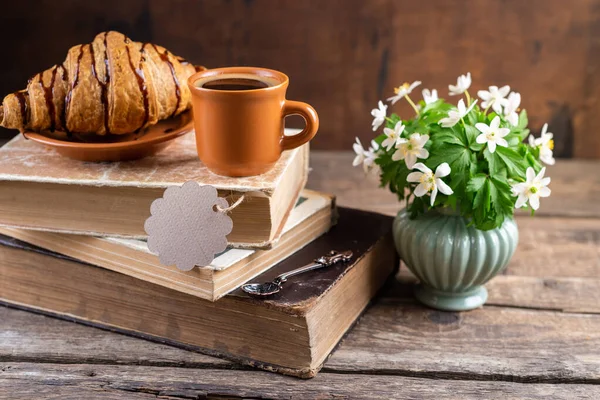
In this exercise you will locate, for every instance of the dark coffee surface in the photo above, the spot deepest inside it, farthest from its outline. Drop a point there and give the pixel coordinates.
(236, 84)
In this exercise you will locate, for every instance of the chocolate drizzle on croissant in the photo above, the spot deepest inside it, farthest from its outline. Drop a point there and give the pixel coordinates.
(110, 86)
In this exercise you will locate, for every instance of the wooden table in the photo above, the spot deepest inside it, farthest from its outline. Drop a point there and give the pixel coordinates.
(537, 338)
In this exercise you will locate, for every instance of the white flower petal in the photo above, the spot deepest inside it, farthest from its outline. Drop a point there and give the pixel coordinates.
(422, 140)
(491, 146)
(399, 128)
(447, 190)
(358, 160)
(544, 192)
(388, 143)
(544, 129)
(433, 195)
(513, 119)
(530, 174)
(503, 131)
(545, 181)
(414, 176)
(442, 170)
(470, 107)
(495, 124)
(413, 85)
(521, 200)
(410, 160)
(422, 167)
(394, 99)
(501, 142)
(540, 174)
(462, 109)
(420, 190)
(503, 91)
(481, 138)
(398, 155)
(423, 153)
(547, 158)
(481, 127)
(484, 95)
(448, 122)
(534, 201)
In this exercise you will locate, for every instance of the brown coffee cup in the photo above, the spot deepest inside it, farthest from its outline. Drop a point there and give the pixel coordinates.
(239, 119)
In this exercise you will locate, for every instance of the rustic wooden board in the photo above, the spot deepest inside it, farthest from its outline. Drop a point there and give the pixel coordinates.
(26, 336)
(393, 337)
(572, 295)
(575, 186)
(491, 344)
(57, 381)
(345, 55)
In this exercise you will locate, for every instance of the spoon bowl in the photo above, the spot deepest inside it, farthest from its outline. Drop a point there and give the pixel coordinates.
(261, 289)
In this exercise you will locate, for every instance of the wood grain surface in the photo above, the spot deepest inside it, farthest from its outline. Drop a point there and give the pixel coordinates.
(59, 381)
(538, 337)
(345, 55)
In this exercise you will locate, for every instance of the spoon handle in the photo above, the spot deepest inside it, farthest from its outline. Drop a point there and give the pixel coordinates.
(310, 267)
(332, 258)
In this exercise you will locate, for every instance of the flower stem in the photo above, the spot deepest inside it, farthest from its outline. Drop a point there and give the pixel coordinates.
(468, 98)
(412, 104)
(388, 119)
(486, 109)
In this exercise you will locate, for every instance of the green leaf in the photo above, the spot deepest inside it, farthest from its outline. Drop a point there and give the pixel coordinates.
(492, 161)
(459, 131)
(476, 182)
(447, 137)
(472, 134)
(482, 199)
(458, 157)
(514, 162)
(523, 121)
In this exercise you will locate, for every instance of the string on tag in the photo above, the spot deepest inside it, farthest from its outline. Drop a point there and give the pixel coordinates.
(231, 207)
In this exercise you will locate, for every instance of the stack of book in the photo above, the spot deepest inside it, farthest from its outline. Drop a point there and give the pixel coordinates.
(72, 245)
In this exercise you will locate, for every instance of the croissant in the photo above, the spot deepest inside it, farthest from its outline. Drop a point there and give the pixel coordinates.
(110, 86)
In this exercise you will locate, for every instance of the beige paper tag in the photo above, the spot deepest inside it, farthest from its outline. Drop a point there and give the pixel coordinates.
(185, 228)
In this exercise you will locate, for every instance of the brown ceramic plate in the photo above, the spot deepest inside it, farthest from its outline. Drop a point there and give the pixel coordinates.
(131, 146)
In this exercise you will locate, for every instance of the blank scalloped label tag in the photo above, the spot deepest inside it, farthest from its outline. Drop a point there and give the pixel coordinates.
(188, 225)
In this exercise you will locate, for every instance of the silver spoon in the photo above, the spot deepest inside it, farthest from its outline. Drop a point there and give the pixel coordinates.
(269, 288)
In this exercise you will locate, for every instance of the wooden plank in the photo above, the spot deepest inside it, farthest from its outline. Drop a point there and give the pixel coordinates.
(26, 381)
(25, 336)
(490, 343)
(575, 188)
(573, 295)
(345, 55)
(557, 247)
(394, 337)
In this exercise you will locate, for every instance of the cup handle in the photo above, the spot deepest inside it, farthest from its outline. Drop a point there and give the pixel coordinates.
(310, 118)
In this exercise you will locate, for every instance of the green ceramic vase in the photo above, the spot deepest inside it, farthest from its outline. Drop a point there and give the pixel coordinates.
(451, 259)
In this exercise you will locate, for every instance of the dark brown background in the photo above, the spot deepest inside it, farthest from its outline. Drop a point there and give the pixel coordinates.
(345, 55)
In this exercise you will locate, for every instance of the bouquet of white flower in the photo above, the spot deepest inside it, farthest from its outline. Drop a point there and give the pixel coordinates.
(470, 158)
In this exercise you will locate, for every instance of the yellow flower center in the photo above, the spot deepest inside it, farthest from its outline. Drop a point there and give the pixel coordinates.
(533, 189)
(551, 144)
(404, 86)
(490, 135)
(427, 180)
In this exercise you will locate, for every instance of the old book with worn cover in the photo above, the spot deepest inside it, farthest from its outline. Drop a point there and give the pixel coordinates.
(39, 189)
(291, 332)
(311, 217)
